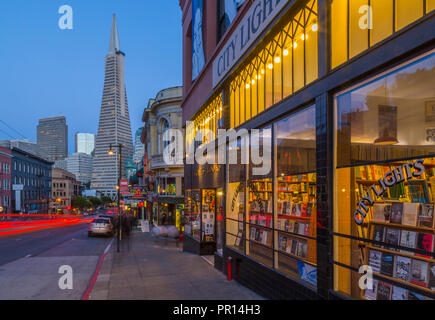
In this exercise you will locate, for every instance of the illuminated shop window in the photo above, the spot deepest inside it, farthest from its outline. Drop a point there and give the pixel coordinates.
(355, 28)
(284, 65)
(206, 121)
(272, 217)
(385, 184)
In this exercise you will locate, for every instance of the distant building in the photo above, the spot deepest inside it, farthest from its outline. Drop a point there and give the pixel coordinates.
(84, 143)
(80, 164)
(31, 182)
(64, 188)
(139, 147)
(22, 144)
(5, 180)
(114, 124)
(60, 164)
(52, 138)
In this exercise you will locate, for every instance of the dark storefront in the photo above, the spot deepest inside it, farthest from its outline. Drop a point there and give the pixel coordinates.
(349, 114)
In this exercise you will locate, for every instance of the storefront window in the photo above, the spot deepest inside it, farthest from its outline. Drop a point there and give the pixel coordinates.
(284, 65)
(192, 211)
(235, 216)
(206, 121)
(384, 194)
(354, 29)
(208, 214)
(260, 220)
(295, 231)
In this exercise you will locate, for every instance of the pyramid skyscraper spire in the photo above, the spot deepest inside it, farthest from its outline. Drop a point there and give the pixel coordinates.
(114, 124)
(114, 46)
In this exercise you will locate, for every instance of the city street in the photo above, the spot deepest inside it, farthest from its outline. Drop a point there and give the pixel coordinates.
(29, 262)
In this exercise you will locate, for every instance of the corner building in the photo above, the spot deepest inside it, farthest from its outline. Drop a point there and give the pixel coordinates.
(344, 91)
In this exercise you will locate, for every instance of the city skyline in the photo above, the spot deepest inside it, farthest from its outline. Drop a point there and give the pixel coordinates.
(66, 79)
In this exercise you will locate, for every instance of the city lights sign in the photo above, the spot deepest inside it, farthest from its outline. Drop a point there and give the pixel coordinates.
(391, 178)
(255, 21)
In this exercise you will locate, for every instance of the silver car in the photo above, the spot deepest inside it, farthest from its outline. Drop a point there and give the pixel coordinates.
(100, 226)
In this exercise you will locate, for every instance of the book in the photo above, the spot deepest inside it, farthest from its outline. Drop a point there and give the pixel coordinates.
(296, 209)
(426, 215)
(396, 212)
(392, 237)
(381, 212)
(387, 264)
(302, 248)
(419, 272)
(294, 248)
(378, 234)
(431, 284)
(418, 191)
(408, 239)
(402, 268)
(399, 293)
(370, 294)
(288, 245)
(375, 260)
(384, 291)
(425, 242)
(410, 213)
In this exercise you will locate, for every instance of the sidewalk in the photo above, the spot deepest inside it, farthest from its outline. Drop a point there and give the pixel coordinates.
(154, 269)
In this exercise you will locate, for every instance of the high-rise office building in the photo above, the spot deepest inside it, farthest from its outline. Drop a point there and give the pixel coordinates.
(52, 138)
(139, 147)
(114, 124)
(81, 164)
(84, 143)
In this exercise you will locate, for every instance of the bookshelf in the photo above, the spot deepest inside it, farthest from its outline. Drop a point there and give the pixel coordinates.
(260, 218)
(403, 217)
(296, 218)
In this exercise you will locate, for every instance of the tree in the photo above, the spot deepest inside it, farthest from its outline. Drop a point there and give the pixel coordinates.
(106, 199)
(81, 203)
(95, 201)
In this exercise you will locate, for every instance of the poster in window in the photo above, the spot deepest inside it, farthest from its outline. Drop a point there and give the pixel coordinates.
(198, 59)
(430, 112)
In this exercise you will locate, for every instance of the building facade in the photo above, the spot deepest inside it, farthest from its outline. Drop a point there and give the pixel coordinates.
(164, 181)
(64, 189)
(84, 143)
(31, 182)
(337, 175)
(23, 144)
(5, 180)
(52, 138)
(81, 165)
(114, 124)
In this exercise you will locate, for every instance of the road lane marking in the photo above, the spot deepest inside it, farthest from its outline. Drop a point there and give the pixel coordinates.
(97, 271)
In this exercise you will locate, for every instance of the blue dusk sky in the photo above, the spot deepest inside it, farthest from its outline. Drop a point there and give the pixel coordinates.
(46, 71)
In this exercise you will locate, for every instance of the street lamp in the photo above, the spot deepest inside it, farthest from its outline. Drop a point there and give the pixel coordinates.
(110, 153)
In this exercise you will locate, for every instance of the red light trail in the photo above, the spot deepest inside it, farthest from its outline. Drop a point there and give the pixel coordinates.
(16, 227)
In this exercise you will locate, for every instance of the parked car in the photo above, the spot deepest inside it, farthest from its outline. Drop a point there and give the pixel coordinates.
(100, 226)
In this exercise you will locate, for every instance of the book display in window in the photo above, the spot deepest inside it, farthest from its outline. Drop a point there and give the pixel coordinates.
(260, 217)
(400, 222)
(296, 214)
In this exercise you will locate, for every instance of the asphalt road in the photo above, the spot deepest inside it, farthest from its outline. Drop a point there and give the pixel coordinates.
(30, 262)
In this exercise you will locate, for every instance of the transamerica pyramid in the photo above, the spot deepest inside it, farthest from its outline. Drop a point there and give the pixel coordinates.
(114, 124)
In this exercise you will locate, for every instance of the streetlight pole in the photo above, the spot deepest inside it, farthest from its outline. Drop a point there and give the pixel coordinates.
(110, 152)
